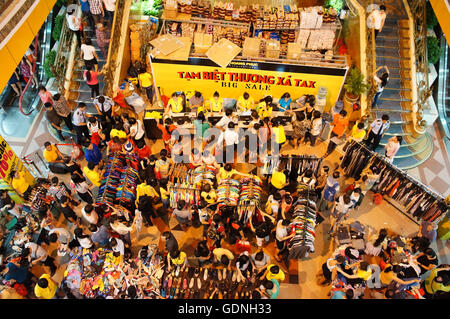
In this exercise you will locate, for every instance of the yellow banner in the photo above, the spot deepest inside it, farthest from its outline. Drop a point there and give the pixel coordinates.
(9, 161)
(257, 78)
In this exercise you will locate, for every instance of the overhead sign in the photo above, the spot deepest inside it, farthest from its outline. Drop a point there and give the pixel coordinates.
(257, 78)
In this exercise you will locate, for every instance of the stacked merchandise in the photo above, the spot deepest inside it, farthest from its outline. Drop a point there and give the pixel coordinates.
(316, 17)
(321, 39)
(127, 194)
(187, 30)
(415, 199)
(135, 45)
(202, 176)
(118, 185)
(201, 8)
(207, 283)
(302, 225)
(183, 187)
(99, 273)
(297, 165)
(228, 192)
(277, 18)
(249, 199)
(227, 11)
(111, 180)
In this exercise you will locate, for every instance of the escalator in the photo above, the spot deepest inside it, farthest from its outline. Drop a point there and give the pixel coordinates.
(443, 93)
(16, 123)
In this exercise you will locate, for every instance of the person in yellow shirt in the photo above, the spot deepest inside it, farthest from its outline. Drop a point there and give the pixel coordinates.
(164, 191)
(216, 103)
(358, 133)
(175, 103)
(146, 189)
(245, 103)
(52, 154)
(20, 184)
(92, 174)
(227, 172)
(176, 259)
(279, 135)
(146, 83)
(209, 194)
(45, 288)
(278, 181)
(264, 107)
(273, 272)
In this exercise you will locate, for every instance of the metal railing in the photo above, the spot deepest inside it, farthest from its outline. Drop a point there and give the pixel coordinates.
(418, 12)
(371, 64)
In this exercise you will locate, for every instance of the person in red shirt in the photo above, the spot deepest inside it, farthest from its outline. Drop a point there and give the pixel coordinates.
(166, 130)
(340, 124)
(46, 96)
(114, 145)
(142, 149)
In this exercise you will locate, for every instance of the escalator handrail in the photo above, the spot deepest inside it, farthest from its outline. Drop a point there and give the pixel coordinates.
(30, 80)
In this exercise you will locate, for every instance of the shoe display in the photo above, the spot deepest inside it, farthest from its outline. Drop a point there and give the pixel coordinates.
(205, 275)
(191, 283)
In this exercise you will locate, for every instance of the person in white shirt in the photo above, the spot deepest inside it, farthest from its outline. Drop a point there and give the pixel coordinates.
(381, 83)
(223, 122)
(136, 130)
(110, 7)
(376, 19)
(104, 105)
(89, 214)
(392, 147)
(117, 246)
(231, 138)
(60, 234)
(89, 55)
(37, 254)
(339, 210)
(377, 130)
(74, 23)
(121, 229)
(83, 239)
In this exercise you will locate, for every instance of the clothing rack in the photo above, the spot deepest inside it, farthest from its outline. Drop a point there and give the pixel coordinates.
(114, 166)
(186, 192)
(250, 192)
(228, 192)
(303, 225)
(414, 199)
(296, 164)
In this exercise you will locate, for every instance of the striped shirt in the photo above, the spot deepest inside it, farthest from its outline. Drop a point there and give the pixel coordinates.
(95, 6)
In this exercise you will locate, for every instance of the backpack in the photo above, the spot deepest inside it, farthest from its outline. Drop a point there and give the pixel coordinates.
(330, 192)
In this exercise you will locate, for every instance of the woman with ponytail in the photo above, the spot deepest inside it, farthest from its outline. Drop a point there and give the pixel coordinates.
(91, 78)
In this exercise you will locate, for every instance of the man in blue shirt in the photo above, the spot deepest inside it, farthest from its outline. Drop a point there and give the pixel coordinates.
(13, 272)
(92, 153)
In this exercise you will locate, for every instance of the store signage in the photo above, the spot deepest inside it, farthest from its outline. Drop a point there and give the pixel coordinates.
(257, 78)
(9, 161)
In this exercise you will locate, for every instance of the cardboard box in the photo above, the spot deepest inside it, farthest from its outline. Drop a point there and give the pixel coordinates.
(202, 42)
(251, 47)
(167, 43)
(181, 54)
(272, 49)
(294, 50)
(223, 52)
(171, 13)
